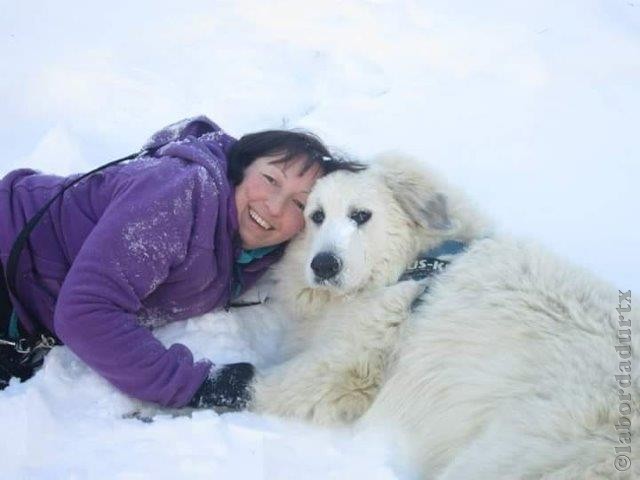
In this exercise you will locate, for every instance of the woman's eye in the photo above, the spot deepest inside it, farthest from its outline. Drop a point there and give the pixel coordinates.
(317, 217)
(299, 204)
(360, 216)
(270, 179)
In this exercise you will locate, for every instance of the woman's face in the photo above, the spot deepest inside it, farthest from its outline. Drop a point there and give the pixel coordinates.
(270, 200)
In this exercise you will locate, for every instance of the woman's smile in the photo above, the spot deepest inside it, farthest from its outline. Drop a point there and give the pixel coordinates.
(259, 220)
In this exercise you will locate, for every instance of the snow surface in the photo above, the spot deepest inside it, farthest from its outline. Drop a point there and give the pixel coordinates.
(68, 423)
(532, 107)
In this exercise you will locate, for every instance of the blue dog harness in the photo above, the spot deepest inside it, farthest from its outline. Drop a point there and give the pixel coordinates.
(428, 264)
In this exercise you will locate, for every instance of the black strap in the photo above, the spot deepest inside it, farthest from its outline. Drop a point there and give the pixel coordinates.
(244, 304)
(22, 238)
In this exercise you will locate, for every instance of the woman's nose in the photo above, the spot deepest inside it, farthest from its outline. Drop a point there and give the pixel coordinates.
(276, 205)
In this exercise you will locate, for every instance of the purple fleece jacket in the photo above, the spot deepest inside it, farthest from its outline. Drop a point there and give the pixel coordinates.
(151, 240)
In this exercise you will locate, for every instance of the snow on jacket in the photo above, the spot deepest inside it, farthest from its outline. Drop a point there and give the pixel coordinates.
(153, 239)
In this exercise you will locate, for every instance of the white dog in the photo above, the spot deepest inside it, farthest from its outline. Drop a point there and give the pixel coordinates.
(507, 366)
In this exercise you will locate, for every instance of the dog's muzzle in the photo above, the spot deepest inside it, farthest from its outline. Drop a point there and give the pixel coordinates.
(325, 265)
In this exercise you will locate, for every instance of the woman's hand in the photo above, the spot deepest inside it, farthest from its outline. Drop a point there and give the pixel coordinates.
(225, 387)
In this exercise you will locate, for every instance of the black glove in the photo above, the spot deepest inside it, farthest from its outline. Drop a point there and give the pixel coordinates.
(225, 387)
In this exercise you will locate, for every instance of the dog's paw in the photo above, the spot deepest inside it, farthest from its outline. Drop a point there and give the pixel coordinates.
(340, 411)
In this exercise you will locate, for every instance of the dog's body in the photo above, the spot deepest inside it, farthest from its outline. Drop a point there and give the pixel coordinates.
(505, 370)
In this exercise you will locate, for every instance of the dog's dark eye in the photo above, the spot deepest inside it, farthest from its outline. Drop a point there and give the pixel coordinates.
(317, 217)
(360, 216)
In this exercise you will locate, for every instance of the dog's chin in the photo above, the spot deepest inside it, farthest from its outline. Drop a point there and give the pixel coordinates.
(336, 285)
(332, 284)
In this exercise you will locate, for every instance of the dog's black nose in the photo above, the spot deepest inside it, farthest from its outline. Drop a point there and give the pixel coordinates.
(325, 265)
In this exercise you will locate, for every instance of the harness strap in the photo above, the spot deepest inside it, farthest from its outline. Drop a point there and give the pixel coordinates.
(42, 337)
(428, 263)
(16, 359)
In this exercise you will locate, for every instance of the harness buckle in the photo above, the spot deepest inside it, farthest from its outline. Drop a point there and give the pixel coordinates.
(45, 342)
(22, 346)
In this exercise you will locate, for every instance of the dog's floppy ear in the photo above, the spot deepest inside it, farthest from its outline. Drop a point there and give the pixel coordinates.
(415, 190)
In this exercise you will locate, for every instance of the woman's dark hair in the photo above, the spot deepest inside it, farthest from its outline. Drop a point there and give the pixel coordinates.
(288, 144)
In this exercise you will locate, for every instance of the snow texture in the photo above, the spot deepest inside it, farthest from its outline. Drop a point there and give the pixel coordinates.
(532, 107)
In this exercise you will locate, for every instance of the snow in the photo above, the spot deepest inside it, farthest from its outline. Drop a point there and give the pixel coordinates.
(532, 107)
(69, 423)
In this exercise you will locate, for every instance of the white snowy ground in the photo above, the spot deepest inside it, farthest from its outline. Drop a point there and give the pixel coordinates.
(532, 107)
(67, 423)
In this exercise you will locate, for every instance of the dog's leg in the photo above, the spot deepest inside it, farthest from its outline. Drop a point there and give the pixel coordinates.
(314, 386)
(335, 381)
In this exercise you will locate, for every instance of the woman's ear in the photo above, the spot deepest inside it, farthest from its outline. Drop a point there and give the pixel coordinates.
(415, 190)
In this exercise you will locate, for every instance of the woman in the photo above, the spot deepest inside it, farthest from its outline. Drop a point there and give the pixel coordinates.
(177, 232)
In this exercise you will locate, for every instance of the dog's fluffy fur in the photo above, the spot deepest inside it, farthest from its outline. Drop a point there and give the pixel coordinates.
(505, 370)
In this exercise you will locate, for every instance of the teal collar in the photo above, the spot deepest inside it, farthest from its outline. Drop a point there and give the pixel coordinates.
(248, 256)
(13, 333)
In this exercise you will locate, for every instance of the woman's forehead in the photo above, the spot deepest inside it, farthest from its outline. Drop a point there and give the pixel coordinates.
(301, 165)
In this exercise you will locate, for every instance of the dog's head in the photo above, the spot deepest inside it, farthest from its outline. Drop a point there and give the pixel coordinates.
(365, 227)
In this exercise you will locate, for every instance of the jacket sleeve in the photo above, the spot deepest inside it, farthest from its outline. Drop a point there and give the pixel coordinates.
(141, 235)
